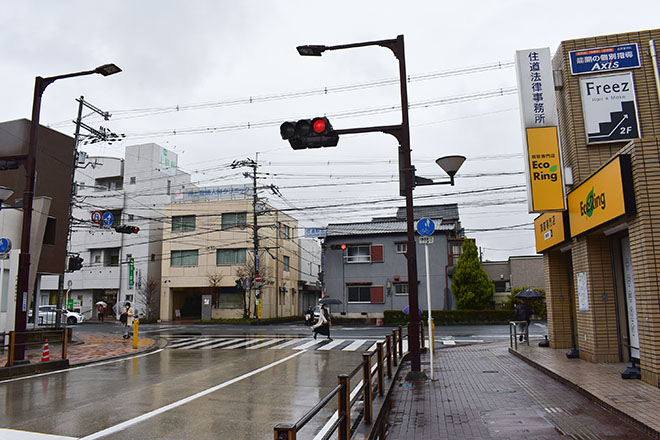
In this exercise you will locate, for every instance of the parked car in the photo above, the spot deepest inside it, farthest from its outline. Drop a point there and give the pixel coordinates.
(47, 316)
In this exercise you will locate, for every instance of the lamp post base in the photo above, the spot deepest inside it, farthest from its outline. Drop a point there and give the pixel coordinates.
(415, 375)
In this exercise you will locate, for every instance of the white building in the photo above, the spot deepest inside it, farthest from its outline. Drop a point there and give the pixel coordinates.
(117, 267)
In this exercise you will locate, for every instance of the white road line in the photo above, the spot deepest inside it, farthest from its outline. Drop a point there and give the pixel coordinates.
(222, 343)
(164, 329)
(265, 344)
(405, 345)
(331, 344)
(200, 343)
(240, 344)
(128, 423)
(181, 342)
(373, 347)
(13, 434)
(309, 344)
(75, 367)
(355, 345)
(286, 344)
(448, 342)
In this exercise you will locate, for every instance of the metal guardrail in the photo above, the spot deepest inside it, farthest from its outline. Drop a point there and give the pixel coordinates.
(11, 346)
(513, 333)
(387, 354)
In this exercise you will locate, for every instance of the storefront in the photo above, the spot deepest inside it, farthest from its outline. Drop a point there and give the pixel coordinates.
(602, 254)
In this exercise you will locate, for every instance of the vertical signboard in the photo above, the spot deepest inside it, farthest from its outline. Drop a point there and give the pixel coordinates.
(609, 108)
(549, 230)
(538, 112)
(583, 292)
(131, 273)
(631, 300)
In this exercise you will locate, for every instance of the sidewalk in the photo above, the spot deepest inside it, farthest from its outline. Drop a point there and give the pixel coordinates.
(485, 392)
(90, 346)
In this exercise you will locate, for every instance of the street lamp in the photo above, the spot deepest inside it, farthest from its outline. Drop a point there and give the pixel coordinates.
(23, 284)
(402, 133)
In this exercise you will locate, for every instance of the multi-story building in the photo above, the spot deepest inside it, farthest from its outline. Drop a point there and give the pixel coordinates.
(602, 254)
(50, 212)
(366, 267)
(516, 272)
(208, 256)
(309, 289)
(119, 267)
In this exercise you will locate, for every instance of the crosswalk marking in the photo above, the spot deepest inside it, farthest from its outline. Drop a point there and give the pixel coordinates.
(308, 344)
(332, 344)
(222, 343)
(355, 345)
(265, 344)
(181, 342)
(239, 344)
(286, 344)
(194, 344)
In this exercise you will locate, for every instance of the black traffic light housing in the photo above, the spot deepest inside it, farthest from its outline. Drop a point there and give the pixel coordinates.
(338, 247)
(75, 263)
(125, 229)
(309, 133)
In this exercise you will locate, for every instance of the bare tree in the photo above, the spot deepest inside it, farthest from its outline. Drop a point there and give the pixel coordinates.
(247, 272)
(150, 292)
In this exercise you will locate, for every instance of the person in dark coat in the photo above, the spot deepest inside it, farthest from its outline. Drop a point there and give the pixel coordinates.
(323, 324)
(524, 314)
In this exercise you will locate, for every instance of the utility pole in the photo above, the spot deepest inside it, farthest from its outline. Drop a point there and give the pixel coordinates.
(100, 135)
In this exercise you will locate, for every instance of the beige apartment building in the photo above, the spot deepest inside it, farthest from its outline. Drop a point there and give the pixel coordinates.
(602, 253)
(208, 258)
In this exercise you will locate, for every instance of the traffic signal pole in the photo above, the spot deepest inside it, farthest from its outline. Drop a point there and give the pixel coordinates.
(406, 171)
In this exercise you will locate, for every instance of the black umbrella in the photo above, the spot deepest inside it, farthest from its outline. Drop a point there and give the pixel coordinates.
(406, 310)
(330, 301)
(529, 294)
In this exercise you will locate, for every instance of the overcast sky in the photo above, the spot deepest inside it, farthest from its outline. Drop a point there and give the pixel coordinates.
(197, 74)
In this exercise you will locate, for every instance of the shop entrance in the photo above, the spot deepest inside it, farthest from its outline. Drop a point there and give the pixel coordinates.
(626, 305)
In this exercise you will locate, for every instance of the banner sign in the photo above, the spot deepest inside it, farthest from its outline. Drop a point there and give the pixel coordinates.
(604, 196)
(549, 230)
(536, 88)
(315, 232)
(545, 180)
(212, 193)
(609, 108)
(604, 59)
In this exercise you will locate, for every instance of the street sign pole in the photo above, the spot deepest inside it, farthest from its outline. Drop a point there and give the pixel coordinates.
(428, 301)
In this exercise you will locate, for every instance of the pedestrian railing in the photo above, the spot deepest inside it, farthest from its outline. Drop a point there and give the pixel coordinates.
(35, 339)
(388, 353)
(513, 333)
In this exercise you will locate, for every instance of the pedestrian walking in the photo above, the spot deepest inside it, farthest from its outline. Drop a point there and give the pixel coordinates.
(101, 312)
(126, 318)
(323, 324)
(523, 316)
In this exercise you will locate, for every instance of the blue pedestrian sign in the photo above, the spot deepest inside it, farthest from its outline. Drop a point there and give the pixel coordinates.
(425, 226)
(108, 218)
(5, 245)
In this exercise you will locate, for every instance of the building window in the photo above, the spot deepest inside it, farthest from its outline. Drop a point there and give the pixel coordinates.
(184, 258)
(230, 256)
(287, 262)
(456, 250)
(129, 297)
(233, 219)
(131, 217)
(183, 223)
(285, 231)
(401, 248)
(359, 293)
(358, 254)
(169, 187)
(132, 180)
(401, 288)
(111, 257)
(49, 233)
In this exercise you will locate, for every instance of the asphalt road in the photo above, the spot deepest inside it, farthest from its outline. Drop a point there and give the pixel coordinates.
(212, 382)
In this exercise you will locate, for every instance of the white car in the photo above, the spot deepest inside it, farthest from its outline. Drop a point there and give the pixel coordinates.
(47, 316)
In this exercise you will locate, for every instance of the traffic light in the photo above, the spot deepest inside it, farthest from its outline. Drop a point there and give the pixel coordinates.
(75, 263)
(338, 247)
(125, 229)
(9, 164)
(309, 133)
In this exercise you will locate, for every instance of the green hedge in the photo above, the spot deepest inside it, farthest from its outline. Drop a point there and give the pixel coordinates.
(447, 317)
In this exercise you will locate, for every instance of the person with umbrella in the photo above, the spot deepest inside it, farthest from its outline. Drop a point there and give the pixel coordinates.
(101, 310)
(323, 324)
(524, 309)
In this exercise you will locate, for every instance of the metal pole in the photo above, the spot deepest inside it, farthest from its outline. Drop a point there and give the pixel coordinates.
(428, 301)
(411, 252)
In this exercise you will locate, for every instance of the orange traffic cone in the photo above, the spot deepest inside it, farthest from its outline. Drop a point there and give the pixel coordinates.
(45, 355)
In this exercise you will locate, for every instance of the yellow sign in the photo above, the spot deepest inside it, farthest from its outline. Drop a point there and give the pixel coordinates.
(549, 230)
(259, 308)
(604, 196)
(545, 179)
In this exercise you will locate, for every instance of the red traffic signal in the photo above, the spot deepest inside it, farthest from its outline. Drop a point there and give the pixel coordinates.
(309, 133)
(338, 246)
(125, 229)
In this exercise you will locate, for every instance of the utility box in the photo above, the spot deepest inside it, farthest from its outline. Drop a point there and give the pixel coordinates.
(206, 307)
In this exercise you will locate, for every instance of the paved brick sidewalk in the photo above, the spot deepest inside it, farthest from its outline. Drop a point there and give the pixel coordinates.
(484, 392)
(89, 347)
